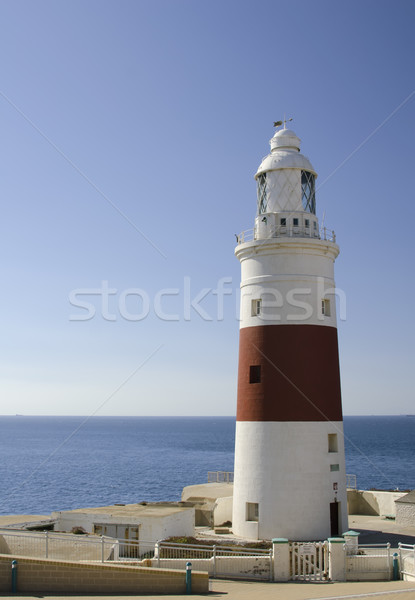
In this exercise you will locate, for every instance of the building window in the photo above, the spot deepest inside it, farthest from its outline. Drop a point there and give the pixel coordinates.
(256, 307)
(334, 467)
(252, 511)
(315, 225)
(255, 374)
(283, 222)
(262, 193)
(295, 222)
(325, 307)
(333, 442)
(308, 195)
(307, 223)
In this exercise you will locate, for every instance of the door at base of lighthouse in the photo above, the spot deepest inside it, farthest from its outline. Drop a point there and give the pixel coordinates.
(334, 519)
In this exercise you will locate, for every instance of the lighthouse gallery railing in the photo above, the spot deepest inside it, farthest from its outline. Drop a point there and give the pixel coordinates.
(250, 235)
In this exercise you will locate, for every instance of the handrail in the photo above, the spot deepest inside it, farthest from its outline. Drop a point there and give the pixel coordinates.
(351, 482)
(291, 231)
(220, 476)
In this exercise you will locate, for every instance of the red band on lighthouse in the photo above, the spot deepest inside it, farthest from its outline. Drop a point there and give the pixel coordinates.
(299, 374)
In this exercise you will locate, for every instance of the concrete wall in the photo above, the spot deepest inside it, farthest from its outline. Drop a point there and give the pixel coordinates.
(246, 566)
(362, 502)
(43, 575)
(368, 568)
(405, 514)
(222, 511)
(204, 491)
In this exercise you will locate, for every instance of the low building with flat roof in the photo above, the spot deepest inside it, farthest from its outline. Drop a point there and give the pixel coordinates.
(147, 522)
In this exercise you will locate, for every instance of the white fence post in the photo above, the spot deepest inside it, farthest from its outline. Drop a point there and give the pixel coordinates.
(46, 544)
(214, 561)
(280, 564)
(337, 559)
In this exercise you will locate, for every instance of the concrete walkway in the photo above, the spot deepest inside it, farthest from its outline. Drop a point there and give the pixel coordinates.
(247, 590)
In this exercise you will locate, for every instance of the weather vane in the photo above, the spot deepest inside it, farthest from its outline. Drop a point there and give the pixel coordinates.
(279, 123)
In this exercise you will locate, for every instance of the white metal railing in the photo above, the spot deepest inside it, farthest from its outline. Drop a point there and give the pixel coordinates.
(227, 477)
(370, 560)
(245, 236)
(220, 476)
(250, 235)
(407, 561)
(74, 547)
(351, 481)
(217, 560)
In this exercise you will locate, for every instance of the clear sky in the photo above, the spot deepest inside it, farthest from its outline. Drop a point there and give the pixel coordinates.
(130, 134)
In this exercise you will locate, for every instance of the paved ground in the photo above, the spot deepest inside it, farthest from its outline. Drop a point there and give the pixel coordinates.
(377, 530)
(246, 590)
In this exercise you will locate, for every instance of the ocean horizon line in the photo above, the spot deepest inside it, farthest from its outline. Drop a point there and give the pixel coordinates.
(86, 416)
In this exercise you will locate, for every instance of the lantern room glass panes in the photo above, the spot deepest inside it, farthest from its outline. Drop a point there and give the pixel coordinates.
(262, 193)
(308, 192)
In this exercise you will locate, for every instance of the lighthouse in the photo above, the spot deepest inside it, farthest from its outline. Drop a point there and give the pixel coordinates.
(289, 479)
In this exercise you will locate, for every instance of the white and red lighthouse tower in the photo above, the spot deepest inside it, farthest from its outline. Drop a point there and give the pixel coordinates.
(289, 451)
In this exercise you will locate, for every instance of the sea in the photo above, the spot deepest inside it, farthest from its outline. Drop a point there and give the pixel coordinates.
(61, 463)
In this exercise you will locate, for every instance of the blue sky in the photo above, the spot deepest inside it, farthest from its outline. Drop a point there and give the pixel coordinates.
(130, 134)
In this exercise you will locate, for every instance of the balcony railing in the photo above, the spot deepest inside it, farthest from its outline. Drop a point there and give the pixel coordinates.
(251, 235)
(220, 476)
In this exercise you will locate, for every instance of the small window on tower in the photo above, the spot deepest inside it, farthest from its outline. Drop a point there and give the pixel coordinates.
(295, 222)
(333, 442)
(255, 374)
(307, 223)
(283, 222)
(334, 467)
(256, 307)
(252, 511)
(325, 307)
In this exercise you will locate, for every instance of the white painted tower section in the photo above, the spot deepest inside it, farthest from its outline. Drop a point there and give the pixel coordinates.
(289, 450)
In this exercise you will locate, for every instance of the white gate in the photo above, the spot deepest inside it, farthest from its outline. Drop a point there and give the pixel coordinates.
(309, 561)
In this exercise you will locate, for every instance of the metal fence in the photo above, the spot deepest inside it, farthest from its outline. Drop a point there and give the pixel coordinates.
(407, 561)
(220, 476)
(368, 562)
(351, 481)
(72, 547)
(227, 477)
(217, 560)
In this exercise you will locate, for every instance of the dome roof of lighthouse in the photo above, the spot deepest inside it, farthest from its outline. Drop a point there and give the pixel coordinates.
(285, 154)
(285, 138)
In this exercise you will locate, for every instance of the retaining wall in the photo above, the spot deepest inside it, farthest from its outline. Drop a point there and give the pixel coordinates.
(55, 576)
(362, 502)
